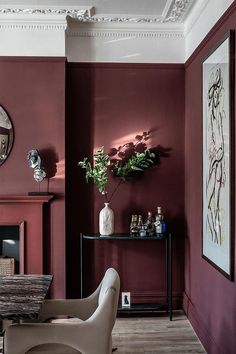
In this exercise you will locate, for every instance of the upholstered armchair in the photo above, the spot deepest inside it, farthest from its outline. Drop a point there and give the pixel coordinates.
(86, 329)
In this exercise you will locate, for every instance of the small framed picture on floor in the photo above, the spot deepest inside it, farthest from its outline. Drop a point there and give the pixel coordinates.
(125, 299)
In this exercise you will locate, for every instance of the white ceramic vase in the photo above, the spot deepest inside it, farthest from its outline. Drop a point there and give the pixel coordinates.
(106, 221)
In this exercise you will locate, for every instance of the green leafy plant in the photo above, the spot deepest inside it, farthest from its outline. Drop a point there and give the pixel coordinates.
(98, 173)
(136, 163)
(130, 165)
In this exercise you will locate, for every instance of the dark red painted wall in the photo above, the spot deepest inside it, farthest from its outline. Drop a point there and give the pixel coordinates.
(210, 299)
(108, 104)
(32, 90)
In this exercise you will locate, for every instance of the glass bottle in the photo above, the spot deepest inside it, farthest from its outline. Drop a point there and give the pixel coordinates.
(140, 223)
(163, 225)
(159, 215)
(158, 221)
(143, 231)
(150, 227)
(133, 225)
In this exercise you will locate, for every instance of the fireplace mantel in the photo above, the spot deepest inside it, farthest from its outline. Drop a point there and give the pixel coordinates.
(34, 212)
(25, 198)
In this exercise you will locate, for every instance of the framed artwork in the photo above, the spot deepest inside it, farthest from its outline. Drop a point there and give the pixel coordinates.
(218, 156)
(125, 299)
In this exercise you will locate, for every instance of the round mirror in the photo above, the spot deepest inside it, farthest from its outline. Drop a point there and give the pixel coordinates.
(6, 135)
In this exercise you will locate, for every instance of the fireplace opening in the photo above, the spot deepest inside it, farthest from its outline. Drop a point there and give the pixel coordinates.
(11, 248)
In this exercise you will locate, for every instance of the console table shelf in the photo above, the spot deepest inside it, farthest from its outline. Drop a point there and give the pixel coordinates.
(142, 308)
(137, 308)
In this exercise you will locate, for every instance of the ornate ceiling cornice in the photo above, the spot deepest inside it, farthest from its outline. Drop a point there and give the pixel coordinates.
(53, 18)
(178, 10)
(33, 27)
(175, 13)
(75, 13)
(126, 34)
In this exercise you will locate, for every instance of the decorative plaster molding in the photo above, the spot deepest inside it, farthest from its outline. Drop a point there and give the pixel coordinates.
(125, 34)
(175, 13)
(127, 19)
(33, 27)
(46, 19)
(178, 10)
(75, 13)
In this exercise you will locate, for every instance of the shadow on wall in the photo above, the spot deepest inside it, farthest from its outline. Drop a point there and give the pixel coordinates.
(49, 159)
(122, 154)
(49, 163)
(139, 145)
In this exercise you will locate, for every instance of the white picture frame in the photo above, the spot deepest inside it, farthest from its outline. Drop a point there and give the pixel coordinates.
(218, 156)
(125, 300)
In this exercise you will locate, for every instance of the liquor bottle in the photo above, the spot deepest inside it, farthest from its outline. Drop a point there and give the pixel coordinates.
(163, 226)
(158, 221)
(133, 225)
(143, 231)
(150, 227)
(159, 215)
(140, 223)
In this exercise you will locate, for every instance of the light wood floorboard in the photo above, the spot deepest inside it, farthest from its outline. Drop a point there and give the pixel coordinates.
(155, 335)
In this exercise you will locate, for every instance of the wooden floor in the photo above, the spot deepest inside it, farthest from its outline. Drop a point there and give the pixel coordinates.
(156, 335)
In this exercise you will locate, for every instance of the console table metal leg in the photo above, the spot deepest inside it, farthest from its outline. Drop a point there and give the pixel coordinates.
(167, 273)
(170, 277)
(81, 265)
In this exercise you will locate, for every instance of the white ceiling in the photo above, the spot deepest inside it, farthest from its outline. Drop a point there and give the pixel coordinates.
(159, 11)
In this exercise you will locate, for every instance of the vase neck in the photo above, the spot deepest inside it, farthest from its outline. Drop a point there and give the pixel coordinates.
(106, 204)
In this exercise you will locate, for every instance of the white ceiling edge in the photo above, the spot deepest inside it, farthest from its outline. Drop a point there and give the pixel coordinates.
(125, 46)
(48, 32)
(125, 42)
(160, 43)
(204, 16)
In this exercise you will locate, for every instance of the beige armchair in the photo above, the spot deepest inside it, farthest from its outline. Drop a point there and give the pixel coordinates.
(87, 329)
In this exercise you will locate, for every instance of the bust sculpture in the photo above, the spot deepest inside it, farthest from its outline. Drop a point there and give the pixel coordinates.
(34, 161)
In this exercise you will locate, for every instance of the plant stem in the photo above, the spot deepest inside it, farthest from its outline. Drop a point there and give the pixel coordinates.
(115, 189)
(106, 197)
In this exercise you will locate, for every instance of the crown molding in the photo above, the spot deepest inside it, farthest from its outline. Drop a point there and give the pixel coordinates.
(58, 25)
(53, 18)
(125, 30)
(174, 13)
(194, 16)
(142, 34)
(78, 12)
(178, 10)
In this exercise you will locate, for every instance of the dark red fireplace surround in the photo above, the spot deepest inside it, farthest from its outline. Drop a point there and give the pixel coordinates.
(28, 211)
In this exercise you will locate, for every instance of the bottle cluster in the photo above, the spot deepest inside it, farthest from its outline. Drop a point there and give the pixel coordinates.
(152, 226)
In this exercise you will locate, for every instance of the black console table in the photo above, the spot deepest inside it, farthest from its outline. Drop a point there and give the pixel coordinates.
(137, 308)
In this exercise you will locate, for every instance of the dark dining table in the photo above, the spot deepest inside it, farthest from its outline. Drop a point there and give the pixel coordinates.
(21, 296)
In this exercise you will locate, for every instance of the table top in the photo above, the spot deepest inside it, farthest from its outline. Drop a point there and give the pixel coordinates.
(21, 296)
(123, 237)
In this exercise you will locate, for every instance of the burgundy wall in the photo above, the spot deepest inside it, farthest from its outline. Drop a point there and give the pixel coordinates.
(108, 104)
(32, 91)
(210, 299)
